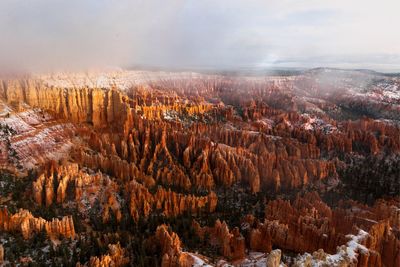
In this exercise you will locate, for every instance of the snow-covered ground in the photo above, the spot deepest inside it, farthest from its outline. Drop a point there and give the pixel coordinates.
(313, 123)
(345, 254)
(36, 137)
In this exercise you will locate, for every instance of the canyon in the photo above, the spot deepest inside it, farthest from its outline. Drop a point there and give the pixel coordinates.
(146, 168)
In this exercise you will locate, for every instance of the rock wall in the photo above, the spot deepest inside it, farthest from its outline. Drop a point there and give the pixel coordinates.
(100, 107)
(24, 222)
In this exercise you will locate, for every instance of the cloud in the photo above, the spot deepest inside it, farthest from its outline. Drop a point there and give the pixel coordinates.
(50, 34)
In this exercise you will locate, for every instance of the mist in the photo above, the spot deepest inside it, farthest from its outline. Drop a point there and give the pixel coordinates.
(46, 35)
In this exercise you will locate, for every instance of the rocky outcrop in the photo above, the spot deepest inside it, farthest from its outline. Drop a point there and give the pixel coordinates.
(232, 243)
(25, 223)
(169, 245)
(51, 187)
(169, 203)
(321, 235)
(162, 111)
(258, 161)
(116, 257)
(354, 253)
(307, 224)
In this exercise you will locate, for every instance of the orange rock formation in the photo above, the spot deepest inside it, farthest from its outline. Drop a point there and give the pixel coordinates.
(25, 223)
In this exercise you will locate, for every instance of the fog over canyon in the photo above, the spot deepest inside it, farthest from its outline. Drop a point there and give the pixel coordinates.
(199, 133)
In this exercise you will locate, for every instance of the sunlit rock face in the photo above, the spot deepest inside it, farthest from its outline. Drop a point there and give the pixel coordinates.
(25, 223)
(189, 169)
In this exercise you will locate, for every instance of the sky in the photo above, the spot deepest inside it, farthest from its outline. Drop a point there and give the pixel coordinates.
(41, 35)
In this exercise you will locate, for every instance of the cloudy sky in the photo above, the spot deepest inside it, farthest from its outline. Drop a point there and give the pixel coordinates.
(48, 34)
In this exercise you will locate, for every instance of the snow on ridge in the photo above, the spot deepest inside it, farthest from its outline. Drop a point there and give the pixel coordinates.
(346, 253)
(354, 244)
(125, 79)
